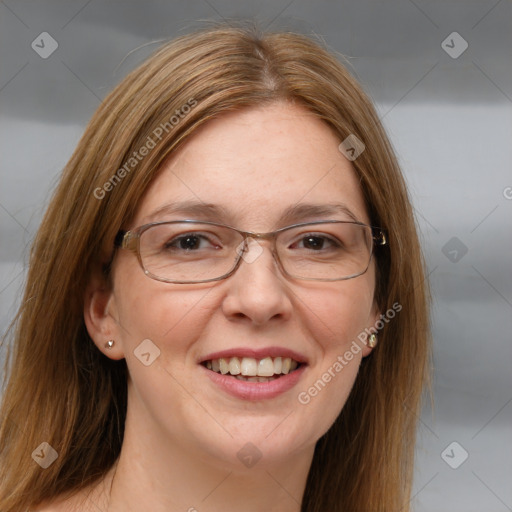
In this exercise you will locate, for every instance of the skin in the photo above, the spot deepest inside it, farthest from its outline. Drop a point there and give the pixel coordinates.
(182, 432)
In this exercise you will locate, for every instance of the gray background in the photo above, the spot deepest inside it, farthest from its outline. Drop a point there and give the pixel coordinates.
(448, 118)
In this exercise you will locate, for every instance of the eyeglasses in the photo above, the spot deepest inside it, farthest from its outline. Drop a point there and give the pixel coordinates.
(191, 251)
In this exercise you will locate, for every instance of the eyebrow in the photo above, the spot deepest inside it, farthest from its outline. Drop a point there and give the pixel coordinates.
(303, 211)
(217, 213)
(192, 209)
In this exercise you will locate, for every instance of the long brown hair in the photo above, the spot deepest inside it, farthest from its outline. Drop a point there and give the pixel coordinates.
(60, 389)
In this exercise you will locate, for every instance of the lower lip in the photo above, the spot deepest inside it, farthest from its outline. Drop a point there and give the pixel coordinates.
(254, 391)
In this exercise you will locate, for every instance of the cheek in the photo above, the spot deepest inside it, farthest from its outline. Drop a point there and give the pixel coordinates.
(173, 320)
(336, 315)
(172, 317)
(166, 316)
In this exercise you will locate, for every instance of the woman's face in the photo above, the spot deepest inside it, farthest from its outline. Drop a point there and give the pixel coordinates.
(252, 166)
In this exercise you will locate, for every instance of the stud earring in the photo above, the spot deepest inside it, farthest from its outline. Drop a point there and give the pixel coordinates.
(372, 341)
(109, 344)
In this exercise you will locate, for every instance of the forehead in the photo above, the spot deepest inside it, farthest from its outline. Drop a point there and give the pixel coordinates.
(248, 168)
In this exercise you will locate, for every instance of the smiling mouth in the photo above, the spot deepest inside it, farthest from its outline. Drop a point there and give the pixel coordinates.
(253, 370)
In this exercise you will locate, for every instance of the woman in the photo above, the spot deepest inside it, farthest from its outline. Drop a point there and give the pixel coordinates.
(226, 305)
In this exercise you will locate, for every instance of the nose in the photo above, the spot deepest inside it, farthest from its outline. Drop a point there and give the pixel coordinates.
(257, 291)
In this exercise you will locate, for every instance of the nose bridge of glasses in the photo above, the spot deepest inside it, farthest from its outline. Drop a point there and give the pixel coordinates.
(257, 237)
(250, 252)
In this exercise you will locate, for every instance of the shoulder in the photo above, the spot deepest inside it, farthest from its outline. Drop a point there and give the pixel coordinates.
(62, 504)
(90, 498)
(51, 506)
(55, 506)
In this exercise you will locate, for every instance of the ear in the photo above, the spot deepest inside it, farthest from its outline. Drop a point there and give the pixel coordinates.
(100, 316)
(373, 318)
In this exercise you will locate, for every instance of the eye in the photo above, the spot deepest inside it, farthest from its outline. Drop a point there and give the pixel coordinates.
(190, 242)
(317, 242)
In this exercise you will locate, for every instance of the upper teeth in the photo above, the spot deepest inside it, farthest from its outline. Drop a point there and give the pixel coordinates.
(251, 367)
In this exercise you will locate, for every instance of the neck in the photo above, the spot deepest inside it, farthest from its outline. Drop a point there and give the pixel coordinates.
(154, 473)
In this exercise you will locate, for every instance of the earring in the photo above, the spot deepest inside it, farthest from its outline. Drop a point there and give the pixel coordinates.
(372, 340)
(109, 344)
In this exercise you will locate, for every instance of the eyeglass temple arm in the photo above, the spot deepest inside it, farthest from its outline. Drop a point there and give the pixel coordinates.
(119, 240)
(126, 240)
(379, 236)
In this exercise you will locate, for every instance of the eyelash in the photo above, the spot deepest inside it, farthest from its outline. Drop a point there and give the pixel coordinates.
(201, 236)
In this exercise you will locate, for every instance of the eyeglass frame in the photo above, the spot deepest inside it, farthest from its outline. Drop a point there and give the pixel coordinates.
(130, 240)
